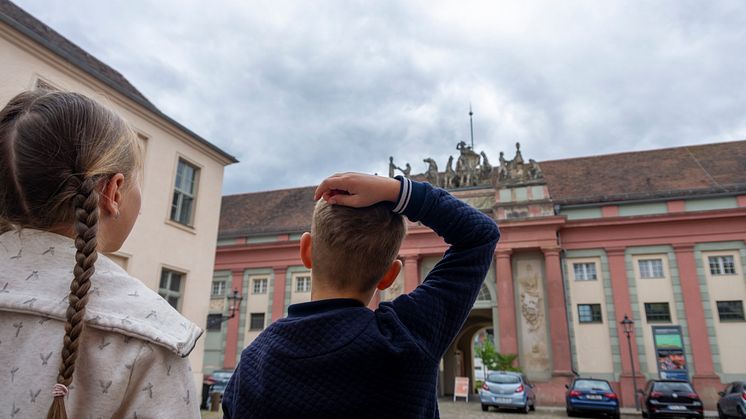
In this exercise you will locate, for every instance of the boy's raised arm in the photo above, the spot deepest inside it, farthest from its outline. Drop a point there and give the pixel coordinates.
(436, 310)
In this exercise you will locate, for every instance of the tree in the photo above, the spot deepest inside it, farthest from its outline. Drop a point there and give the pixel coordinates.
(493, 360)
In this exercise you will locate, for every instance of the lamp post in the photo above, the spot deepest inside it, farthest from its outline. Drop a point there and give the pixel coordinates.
(235, 305)
(628, 324)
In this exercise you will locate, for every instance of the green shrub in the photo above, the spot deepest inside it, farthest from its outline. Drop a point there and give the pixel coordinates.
(493, 360)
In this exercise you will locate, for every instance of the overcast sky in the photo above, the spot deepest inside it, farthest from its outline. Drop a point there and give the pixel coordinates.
(297, 90)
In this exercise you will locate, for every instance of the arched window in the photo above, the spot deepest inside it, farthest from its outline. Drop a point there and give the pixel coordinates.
(484, 294)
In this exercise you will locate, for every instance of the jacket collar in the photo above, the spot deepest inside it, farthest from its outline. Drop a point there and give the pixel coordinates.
(36, 268)
(321, 306)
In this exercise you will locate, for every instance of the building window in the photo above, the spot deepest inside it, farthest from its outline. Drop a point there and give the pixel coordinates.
(589, 313)
(259, 286)
(43, 84)
(256, 321)
(722, 265)
(585, 271)
(182, 206)
(657, 313)
(214, 322)
(651, 268)
(484, 294)
(170, 286)
(218, 288)
(303, 284)
(730, 310)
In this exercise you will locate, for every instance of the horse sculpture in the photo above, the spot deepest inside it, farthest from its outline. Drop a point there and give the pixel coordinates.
(449, 176)
(466, 165)
(432, 171)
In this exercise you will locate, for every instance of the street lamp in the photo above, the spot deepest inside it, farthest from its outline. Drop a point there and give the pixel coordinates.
(235, 301)
(628, 325)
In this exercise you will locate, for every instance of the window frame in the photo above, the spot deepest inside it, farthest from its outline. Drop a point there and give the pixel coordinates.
(585, 271)
(721, 265)
(307, 280)
(651, 268)
(739, 317)
(176, 189)
(44, 83)
(264, 289)
(217, 326)
(222, 291)
(596, 317)
(484, 290)
(251, 322)
(167, 292)
(657, 317)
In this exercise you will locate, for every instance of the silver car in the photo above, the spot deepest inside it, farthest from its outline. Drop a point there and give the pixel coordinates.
(509, 390)
(732, 403)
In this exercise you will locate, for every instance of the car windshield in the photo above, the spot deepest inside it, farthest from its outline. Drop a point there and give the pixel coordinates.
(503, 379)
(592, 385)
(673, 387)
(222, 375)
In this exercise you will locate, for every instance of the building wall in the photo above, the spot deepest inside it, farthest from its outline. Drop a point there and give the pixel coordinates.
(257, 303)
(681, 238)
(295, 295)
(590, 336)
(155, 242)
(652, 290)
(731, 335)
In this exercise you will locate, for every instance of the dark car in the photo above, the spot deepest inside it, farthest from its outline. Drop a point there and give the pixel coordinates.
(732, 403)
(670, 398)
(590, 395)
(220, 380)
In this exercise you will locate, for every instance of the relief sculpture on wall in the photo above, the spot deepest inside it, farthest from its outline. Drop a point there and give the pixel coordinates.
(533, 336)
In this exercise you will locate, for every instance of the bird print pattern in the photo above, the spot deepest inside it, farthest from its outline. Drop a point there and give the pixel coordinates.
(116, 373)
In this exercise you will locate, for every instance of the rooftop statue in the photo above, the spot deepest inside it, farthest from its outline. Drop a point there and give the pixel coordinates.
(474, 170)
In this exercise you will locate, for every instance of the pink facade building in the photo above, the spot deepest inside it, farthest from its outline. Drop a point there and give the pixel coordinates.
(658, 236)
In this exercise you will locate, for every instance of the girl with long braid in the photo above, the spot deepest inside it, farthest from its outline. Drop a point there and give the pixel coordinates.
(79, 337)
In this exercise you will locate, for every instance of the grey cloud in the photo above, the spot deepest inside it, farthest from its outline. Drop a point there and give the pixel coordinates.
(300, 90)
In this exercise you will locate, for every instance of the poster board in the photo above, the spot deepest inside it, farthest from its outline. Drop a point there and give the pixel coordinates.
(669, 353)
(461, 388)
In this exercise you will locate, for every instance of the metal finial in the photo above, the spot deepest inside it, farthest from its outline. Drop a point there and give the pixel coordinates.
(471, 126)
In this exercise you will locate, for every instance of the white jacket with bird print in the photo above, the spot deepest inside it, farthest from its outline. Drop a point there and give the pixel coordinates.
(131, 359)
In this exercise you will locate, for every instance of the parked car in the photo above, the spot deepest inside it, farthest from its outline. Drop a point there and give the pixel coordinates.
(220, 380)
(590, 395)
(670, 398)
(732, 403)
(509, 390)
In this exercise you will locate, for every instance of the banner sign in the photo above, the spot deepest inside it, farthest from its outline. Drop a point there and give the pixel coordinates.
(670, 354)
(461, 388)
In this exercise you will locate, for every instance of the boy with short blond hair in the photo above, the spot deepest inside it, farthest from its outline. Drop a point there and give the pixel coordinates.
(333, 357)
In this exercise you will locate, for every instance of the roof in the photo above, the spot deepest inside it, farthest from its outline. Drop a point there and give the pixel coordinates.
(653, 174)
(270, 212)
(28, 25)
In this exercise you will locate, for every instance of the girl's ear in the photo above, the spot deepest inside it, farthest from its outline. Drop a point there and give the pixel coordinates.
(111, 195)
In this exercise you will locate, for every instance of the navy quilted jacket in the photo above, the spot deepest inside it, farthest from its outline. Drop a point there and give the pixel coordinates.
(338, 359)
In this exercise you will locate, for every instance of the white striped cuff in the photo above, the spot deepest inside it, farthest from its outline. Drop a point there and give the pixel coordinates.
(404, 196)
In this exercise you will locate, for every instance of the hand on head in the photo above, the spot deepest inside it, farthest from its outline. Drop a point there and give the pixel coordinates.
(357, 190)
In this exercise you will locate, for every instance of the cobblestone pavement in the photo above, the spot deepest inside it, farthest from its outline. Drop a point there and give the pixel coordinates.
(462, 410)
(473, 410)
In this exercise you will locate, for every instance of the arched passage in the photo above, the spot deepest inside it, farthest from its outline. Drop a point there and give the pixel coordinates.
(458, 361)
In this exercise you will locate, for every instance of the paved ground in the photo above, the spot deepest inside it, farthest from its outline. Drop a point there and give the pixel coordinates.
(463, 410)
(473, 410)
